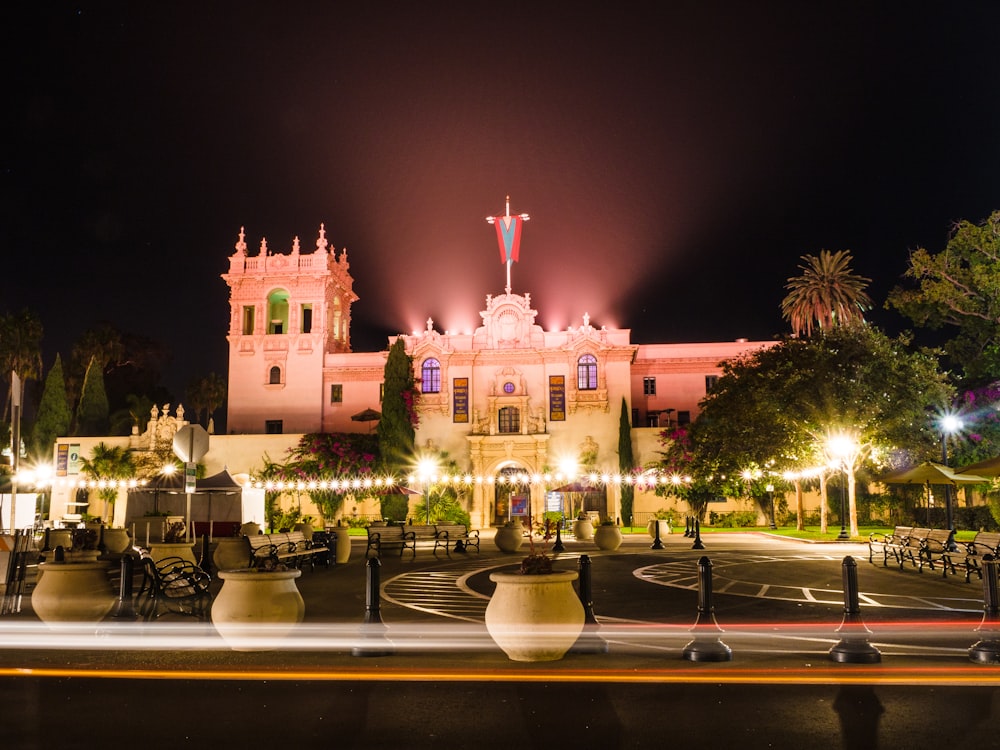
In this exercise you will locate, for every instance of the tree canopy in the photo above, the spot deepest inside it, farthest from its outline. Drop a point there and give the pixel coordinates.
(396, 431)
(826, 295)
(54, 414)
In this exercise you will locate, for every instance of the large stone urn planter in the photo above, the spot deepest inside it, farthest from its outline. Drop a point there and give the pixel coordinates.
(583, 529)
(231, 553)
(306, 528)
(162, 550)
(608, 538)
(509, 538)
(343, 537)
(664, 528)
(534, 617)
(255, 609)
(116, 541)
(72, 592)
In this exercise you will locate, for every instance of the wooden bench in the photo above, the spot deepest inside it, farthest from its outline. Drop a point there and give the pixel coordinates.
(455, 536)
(910, 547)
(936, 547)
(970, 554)
(885, 544)
(390, 536)
(288, 547)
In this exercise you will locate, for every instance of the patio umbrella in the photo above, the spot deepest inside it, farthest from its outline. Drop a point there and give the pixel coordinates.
(929, 473)
(367, 415)
(988, 468)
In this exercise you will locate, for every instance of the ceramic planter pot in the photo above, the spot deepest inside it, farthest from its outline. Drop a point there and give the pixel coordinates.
(509, 538)
(608, 537)
(534, 617)
(664, 528)
(72, 592)
(162, 550)
(583, 529)
(343, 537)
(116, 541)
(231, 553)
(255, 609)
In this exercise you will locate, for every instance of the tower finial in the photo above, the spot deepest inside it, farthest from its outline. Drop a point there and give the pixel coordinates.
(241, 245)
(321, 243)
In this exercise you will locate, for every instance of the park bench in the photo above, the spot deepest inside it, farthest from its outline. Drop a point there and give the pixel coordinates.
(910, 547)
(936, 547)
(390, 536)
(288, 547)
(885, 544)
(455, 536)
(173, 586)
(970, 554)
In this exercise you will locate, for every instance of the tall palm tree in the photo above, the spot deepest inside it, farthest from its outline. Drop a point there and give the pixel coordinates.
(20, 348)
(827, 294)
(109, 462)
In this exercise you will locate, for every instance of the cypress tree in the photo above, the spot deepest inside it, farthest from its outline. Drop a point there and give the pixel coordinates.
(625, 461)
(54, 414)
(92, 411)
(396, 427)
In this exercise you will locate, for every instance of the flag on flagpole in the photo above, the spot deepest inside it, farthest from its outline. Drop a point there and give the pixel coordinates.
(509, 237)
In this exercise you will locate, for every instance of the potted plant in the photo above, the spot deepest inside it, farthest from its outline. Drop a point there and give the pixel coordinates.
(583, 529)
(509, 537)
(608, 536)
(663, 518)
(174, 543)
(535, 613)
(258, 606)
(74, 586)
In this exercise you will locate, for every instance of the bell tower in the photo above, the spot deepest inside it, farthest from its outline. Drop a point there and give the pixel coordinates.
(286, 312)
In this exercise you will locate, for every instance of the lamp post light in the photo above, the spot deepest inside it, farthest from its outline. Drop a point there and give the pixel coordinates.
(950, 424)
(844, 448)
(770, 494)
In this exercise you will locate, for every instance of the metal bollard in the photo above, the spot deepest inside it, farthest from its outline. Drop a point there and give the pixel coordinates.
(688, 533)
(987, 649)
(853, 647)
(589, 642)
(558, 546)
(697, 536)
(707, 645)
(657, 543)
(373, 629)
(206, 556)
(126, 609)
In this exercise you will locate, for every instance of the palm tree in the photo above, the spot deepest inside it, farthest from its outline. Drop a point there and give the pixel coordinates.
(827, 294)
(109, 462)
(20, 348)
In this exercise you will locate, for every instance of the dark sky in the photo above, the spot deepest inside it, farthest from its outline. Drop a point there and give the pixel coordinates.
(676, 158)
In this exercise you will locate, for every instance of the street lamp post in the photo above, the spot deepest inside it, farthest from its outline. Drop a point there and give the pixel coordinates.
(845, 449)
(950, 424)
(427, 468)
(843, 536)
(770, 493)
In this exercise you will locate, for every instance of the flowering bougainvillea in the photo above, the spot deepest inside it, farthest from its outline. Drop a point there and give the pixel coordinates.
(330, 454)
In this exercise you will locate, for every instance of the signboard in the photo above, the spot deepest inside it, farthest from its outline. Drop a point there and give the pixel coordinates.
(191, 443)
(62, 459)
(557, 398)
(519, 505)
(190, 476)
(460, 399)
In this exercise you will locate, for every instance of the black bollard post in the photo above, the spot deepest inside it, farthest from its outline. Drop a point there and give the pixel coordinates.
(558, 546)
(657, 542)
(853, 647)
(589, 642)
(206, 557)
(687, 527)
(707, 645)
(373, 629)
(987, 649)
(697, 536)
(125, 609)
(59, 555)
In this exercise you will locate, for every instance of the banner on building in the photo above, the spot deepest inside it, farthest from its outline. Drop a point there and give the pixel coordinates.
(519, 505)
(460, 400)
(557, 398)
(62, 459)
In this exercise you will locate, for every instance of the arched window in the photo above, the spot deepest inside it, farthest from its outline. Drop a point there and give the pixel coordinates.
(274, 376)
(277, 311)
(509, 420)
(586, 373)
(430, 376)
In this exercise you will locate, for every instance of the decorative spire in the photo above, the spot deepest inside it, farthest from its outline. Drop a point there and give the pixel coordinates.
(295, 245)
(321, 243)
(241, 246)
(263, 245)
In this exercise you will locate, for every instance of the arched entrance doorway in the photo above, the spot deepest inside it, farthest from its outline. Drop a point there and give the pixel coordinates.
(511, 498)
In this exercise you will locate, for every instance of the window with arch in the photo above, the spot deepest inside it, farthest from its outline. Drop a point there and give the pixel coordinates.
(277, 311)
(430, 376)
(274, 376)
(509, 420)
(586, 373)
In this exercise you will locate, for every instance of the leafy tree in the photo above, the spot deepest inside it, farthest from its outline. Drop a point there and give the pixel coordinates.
(333, 455)
(135, 413)
(205, 395)
(396, 428)
(777, 409)
(54, 414)
(21, 352)
(626, 462)
(92, 410)
(827, 294)
(445, 500)
(108, 462)
(959, 288)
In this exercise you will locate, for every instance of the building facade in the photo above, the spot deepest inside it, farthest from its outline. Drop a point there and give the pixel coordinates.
(509, 396)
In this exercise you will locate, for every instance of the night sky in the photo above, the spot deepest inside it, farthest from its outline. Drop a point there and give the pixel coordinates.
(676, 158)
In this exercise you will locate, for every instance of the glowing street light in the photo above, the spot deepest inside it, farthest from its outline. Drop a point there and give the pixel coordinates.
(950, 424)
(844, 448)
(426, 469)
